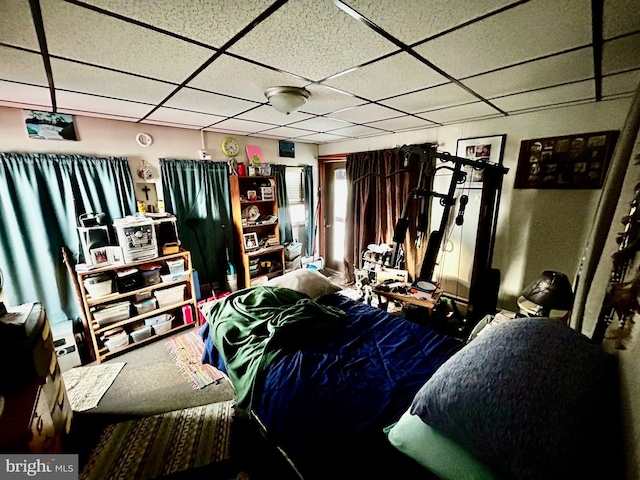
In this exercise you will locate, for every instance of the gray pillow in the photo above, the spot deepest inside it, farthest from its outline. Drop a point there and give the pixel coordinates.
(530, 397)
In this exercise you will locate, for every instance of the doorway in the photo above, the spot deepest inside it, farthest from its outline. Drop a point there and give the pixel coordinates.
(334, 213)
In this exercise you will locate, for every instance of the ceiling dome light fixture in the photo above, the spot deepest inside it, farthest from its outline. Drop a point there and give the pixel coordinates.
(287, 99)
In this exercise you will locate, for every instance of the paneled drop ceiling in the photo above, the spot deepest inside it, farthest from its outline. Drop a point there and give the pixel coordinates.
(372, 66)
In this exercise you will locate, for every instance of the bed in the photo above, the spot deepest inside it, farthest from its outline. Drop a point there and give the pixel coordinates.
(347, 390)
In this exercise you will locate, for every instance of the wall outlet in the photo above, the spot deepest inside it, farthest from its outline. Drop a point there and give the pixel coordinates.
(202, 154)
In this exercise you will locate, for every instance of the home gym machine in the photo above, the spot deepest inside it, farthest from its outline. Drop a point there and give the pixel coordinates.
(484, 284)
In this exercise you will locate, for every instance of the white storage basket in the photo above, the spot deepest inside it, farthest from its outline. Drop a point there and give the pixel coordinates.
(170, 296)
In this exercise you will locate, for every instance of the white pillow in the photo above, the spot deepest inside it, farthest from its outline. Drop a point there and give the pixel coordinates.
(305, 280)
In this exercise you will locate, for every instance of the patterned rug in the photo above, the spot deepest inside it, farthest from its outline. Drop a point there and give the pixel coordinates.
(86, 385)
(159, 445)
(187, 350)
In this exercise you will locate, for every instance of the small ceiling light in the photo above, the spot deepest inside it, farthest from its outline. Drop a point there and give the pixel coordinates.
(287, 99)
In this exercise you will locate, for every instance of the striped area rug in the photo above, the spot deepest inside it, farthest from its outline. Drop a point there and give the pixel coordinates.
(160, 445)
(187, 350)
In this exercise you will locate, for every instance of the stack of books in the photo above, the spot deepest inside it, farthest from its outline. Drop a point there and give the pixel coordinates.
(272, 241)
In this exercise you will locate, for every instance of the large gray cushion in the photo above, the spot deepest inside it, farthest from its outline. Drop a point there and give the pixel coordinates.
(530, 397)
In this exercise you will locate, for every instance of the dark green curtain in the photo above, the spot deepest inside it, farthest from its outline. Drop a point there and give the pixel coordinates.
(284, 217)
(197, 193)
(41, 198)
(310, 213)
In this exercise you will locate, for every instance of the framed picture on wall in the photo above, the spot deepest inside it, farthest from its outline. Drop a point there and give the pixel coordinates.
(481, 149)
(567, 162)
(49, 125)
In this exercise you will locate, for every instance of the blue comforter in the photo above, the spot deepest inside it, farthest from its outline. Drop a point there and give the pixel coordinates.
(328, 402)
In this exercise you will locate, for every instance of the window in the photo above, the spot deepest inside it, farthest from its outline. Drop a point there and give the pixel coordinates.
(295, 195)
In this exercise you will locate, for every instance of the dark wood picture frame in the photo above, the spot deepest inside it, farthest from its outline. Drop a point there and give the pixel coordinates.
(577, 161)
(487, 149)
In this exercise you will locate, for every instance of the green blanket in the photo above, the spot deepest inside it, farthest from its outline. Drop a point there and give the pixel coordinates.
(252, 327)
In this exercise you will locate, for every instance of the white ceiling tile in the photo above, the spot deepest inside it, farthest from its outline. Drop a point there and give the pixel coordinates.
(620, 17)
(413, 20)
(90, 103)
(184, 117)
(357, 131)
(205, 102)
(244, 126)
(98, 81)
(21, 66)
(622, 54)
(391, 76)
(102, 40)
(522, 33)
(287, 132)
(621, 83)
(322, 137)
(568, 67)
(308, 38)
(401, 123)
(84, 113)
(325, 100)
(16, 24)
(321, 124)
(548, 96)
(26, 94)
(268, 114)
(171, 124)
(431, 98)
(212, 23)
(365, 113)
(266, 135)
(460, 113)
(242, 79)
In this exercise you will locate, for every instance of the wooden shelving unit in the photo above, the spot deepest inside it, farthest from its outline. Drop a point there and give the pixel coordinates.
(274, 254)
(90, 304)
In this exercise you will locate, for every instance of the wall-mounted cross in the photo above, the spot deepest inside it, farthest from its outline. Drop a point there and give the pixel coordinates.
(146, 189)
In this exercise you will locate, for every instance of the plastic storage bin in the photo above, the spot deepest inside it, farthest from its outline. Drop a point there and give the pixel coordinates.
(175, 266)
(128, 280)
(142, 296)
(99, 286)
(173, 276)
(117, 341)
(151, 276)
(292, 251)
(146, 306)
(141, 333)
(170, 296)
(113, 313)
(158, 319)
(163, 327)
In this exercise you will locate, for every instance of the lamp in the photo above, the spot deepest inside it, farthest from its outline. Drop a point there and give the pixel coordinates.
(550, 295)
(287, 99)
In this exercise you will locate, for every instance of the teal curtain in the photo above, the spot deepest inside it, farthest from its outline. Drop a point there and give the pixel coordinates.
(310, 213)
(197, 193)
(41, 198)
(284, 217)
